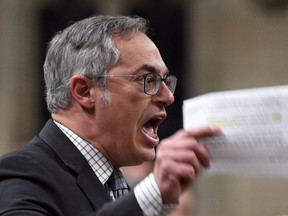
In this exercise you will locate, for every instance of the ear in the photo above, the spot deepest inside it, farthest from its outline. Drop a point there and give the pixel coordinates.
(81, 89)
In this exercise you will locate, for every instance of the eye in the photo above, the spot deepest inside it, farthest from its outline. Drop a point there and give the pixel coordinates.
(168, 80)
(150, 78)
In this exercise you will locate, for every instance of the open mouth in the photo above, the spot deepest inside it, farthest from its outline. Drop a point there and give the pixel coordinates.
(150, 128)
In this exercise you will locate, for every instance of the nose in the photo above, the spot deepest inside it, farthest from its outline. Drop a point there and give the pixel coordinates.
(164, 96)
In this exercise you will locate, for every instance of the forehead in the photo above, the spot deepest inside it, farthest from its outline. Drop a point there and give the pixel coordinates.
(139, 50)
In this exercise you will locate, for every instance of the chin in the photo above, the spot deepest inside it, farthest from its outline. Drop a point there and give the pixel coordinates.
(147, 155)
(150, 155)
(144, 152)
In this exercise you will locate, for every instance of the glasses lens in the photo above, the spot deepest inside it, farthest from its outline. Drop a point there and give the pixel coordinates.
(151, 83)
(171, 82)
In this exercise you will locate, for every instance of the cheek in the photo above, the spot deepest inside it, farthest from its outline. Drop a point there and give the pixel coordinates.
(126, 112)
(130, 112)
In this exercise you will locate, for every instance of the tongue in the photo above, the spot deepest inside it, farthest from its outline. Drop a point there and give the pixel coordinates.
(148, 129)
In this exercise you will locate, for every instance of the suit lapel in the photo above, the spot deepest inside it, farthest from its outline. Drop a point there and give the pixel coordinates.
(72, 158)
(88, 180)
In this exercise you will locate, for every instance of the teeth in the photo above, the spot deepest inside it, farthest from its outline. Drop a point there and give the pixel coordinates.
(153, 135)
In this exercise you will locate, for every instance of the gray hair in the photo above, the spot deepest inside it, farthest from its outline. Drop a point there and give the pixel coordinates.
(85, 48)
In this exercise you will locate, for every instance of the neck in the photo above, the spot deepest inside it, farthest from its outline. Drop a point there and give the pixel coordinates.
(83, 126)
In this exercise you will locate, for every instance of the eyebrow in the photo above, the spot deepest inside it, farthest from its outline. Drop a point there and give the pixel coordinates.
(152, 69)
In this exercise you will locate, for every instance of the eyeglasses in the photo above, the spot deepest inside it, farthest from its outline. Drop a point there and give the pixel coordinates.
(151, 81)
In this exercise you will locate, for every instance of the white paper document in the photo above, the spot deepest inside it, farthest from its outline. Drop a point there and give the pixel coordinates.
(254, 123)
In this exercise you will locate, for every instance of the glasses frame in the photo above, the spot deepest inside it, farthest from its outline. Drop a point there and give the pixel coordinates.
(158, 81)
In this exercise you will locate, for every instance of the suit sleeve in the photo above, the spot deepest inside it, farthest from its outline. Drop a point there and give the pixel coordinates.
(23, 187)
(27, 188)
(120, 207)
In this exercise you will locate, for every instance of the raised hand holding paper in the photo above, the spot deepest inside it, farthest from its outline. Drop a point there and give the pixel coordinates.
(254, 123)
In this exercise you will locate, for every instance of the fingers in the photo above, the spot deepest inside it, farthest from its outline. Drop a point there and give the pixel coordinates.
(184, 142)
(180, 159)
(188, 158)
(204, 132)
(172, 179)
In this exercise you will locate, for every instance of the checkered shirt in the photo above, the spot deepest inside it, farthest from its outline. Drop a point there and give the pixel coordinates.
(146, 192)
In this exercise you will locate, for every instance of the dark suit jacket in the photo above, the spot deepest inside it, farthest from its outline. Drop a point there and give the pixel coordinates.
(49, 176)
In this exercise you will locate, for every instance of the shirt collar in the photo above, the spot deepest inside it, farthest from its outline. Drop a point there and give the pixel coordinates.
(97, 161)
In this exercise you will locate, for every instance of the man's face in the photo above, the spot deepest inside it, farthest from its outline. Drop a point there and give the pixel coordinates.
(127, 127)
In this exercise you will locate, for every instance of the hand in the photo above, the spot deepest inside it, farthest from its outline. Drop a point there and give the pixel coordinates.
(179, 160)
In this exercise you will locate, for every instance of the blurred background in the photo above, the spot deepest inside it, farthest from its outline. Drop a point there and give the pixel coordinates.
(210, 45)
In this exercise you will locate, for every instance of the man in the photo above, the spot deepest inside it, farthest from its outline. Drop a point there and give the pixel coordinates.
(106, 88)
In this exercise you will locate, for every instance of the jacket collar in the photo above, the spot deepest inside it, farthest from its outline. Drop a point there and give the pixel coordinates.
(75, 161)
